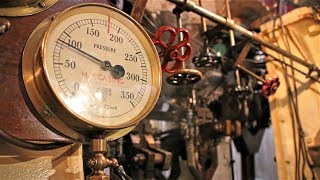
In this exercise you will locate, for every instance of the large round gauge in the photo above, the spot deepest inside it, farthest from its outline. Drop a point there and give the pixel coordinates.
(96, 69)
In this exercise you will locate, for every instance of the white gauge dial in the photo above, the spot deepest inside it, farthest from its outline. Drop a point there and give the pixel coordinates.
(99, 68)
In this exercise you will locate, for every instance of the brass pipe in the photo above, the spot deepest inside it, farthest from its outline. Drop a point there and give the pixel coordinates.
(192, 163)
(188, 5)
(231, 32)
(232, 39)
(180, 36)
(204, 29)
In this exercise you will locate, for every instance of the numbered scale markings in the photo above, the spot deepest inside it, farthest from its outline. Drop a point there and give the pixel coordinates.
(94, 71)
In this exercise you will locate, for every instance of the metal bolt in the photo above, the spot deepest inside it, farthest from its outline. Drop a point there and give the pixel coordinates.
(92, 162)
(3, 28)
(4, 25)
(42, 4)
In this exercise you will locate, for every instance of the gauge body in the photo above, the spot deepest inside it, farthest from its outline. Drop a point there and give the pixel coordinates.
(96, 70)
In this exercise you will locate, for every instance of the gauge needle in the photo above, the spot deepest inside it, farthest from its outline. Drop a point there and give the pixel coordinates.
(117, 71)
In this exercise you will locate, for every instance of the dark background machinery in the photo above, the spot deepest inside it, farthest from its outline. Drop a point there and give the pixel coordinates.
(203, 113)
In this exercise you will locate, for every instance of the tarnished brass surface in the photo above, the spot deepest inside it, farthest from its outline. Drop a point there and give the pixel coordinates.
(98, 177)
(99, 162)
(17, 110)
(98, 145)
(31, 57)
(18, 117)
(15, 3)
(49, 105)
(24, 7)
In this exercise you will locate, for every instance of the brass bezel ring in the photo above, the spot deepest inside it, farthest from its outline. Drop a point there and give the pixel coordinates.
(52, 103)
(26, 10)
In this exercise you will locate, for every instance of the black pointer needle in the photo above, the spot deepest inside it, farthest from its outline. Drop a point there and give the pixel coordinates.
(89, 55)
(117, 71)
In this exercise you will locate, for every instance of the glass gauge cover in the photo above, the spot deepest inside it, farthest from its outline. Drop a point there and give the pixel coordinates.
(101, 66)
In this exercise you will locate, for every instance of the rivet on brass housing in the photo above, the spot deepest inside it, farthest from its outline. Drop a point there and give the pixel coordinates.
(4, 25)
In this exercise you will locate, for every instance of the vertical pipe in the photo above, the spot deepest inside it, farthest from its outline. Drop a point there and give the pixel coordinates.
(204, 29)
(238, 80)
(231, 32)
(138, 9)
(180, 36)
(203, 21)
(232, 39)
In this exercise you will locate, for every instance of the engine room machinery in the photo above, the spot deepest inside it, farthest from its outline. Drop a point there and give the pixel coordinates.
(83, 79)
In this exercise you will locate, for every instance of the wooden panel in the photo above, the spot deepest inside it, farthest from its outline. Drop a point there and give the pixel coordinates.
(303, 38)
(17, 116)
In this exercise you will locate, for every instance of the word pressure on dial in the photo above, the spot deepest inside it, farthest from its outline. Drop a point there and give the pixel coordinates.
(100, 66)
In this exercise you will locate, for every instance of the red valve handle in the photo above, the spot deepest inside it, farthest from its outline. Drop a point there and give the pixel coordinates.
(171, 51)
(271, 86)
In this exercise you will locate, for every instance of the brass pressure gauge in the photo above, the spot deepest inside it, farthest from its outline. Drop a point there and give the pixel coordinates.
(95, 71)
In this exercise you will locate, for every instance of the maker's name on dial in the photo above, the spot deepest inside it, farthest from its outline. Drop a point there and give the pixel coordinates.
(104, 106)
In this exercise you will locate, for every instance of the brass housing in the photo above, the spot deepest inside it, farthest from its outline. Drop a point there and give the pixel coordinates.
(24, 7)
(48, 103)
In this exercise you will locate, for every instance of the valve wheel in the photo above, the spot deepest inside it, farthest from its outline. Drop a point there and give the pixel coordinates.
(184, 77)
(206, 60)
(171, 51)
(271, 86)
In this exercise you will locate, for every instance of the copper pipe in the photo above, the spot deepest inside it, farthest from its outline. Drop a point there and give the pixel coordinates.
(203, 21)
(251, 73)
(138, 9)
